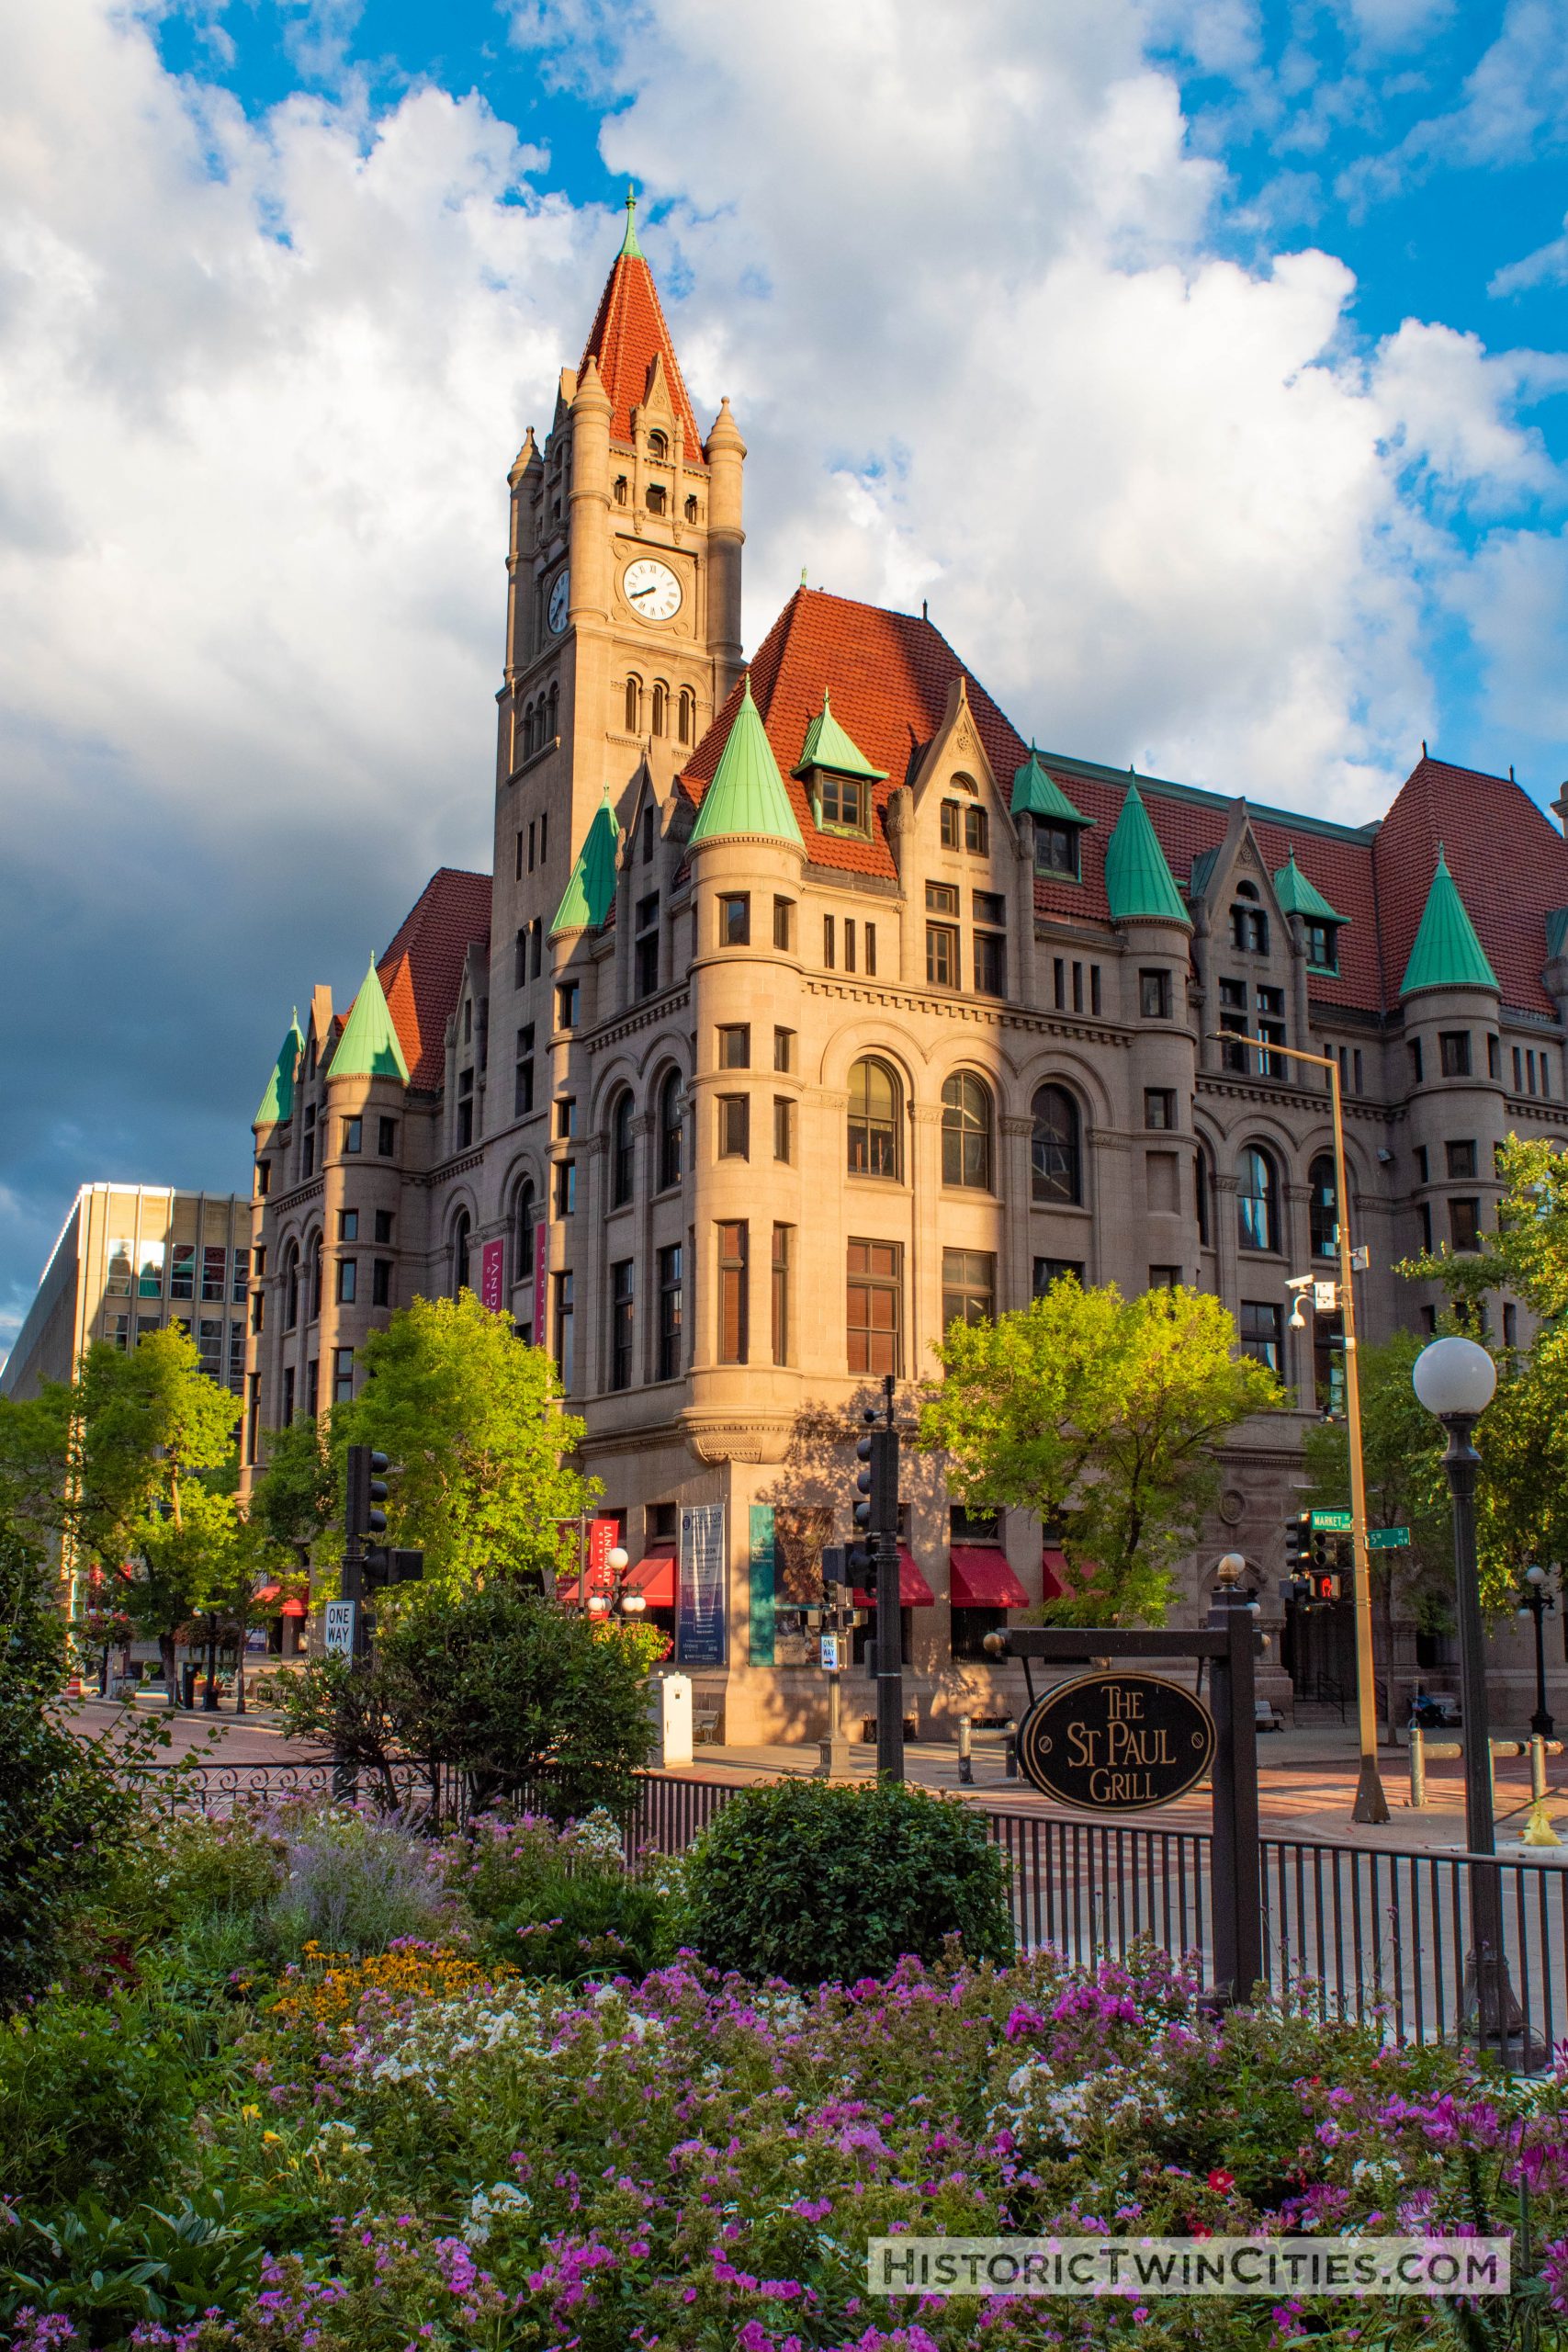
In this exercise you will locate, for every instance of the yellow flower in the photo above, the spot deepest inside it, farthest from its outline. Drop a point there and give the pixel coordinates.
(250, 2113)
(276, 2137)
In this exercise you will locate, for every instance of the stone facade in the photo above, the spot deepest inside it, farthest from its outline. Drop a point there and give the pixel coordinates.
(732, 1118)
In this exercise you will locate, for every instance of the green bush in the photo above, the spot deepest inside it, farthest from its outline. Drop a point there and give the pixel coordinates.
(92, 2094)
(354, 1884)
(184, 1868)
(817, 1882)
(590, 1926)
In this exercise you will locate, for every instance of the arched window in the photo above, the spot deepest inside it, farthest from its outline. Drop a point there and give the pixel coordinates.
(1202, 1181)
(1055, 1149)
(1249, 925)
(460, 1267)
(1323, 1206)
(659, 447)
(552, 727)
(634, 705)
(291, 1287)
(875, 1098)
(966, 1132)
(672, 1113)
(661, 707)
(523, 1223)
(686, 722)
(622, 1154)
(315, 1276)
(1257, 1201)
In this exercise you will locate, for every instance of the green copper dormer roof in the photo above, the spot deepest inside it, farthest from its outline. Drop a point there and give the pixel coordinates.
(1297, 896)
(1036, 793)
(828, 746)
(369, 1046)
(747, 794)
(630, 249)
(1139, 883)
(1447, 954)
(277, 1102)
(590, 892)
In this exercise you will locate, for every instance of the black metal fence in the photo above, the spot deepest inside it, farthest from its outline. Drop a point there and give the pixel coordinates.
(1359, 1931)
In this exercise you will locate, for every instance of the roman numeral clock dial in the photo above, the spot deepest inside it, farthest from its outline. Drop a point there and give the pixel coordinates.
(651, 588)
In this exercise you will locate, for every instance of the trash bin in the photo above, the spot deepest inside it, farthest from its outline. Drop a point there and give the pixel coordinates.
(187, 1686)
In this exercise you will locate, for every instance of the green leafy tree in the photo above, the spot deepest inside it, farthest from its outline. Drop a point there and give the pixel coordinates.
(1402, 1449)
(298, 1495)
(469, 1418)
(1104, 1415)
(495, 1680)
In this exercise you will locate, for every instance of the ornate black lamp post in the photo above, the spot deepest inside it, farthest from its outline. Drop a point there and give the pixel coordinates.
(617, 1601)
(1456, 1380)
(1534, 1601)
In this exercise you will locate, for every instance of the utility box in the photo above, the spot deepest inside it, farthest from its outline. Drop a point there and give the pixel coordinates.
(669, 1704)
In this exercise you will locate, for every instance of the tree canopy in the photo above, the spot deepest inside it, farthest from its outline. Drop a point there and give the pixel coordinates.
(469, 1418)
(1103, 1415)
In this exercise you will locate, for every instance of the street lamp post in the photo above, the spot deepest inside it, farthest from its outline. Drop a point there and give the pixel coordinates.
(1456, 1380)
(1534, 1601)
(1371, 1803)
(617, 1601)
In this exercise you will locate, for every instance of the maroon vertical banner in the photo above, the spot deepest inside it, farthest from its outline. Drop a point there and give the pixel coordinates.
(601, 1535)
(491, 1261)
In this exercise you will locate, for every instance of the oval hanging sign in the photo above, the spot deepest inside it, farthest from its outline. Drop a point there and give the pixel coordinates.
(1116, 1743)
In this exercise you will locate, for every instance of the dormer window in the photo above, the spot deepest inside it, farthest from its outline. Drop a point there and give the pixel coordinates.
(1056, 849)
(1323, 946)
(843, 804)
(659, 447)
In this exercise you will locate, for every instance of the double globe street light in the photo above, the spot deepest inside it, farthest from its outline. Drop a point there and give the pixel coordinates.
(617, 1601)
(1456, 1380)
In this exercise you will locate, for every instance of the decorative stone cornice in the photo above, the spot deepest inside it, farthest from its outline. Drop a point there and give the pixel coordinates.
(653, 1008)
(721, 1437)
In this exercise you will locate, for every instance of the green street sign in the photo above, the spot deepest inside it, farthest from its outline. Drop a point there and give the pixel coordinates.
(1331, 1522)
(1388, 1539)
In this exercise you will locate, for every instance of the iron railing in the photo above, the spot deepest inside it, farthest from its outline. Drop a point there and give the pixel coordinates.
(1359, 1932)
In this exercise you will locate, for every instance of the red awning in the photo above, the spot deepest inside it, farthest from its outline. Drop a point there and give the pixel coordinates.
(1053, 1573)
(267, 1592)
(982, 1580)
(296, 1609)
(654, 1577)
(914, 1592)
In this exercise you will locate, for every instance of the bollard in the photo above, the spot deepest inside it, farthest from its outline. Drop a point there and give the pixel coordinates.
(1418, 1767)
(965, 1762)
(1538, 1830)
(1010, 1753)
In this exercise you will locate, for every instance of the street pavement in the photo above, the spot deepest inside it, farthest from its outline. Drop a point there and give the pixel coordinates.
(1306, 1778)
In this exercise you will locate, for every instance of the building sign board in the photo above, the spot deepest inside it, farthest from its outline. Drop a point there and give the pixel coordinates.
(1388, 1539)
(699, 1622)
(1331, 1522)
(492, 1258)
(1116, 1742)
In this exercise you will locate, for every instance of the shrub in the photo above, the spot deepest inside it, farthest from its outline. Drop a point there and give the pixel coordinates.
(561, 1901)
(92, 2094)
(817, 1882)
(354, 1884)
(182, 1868)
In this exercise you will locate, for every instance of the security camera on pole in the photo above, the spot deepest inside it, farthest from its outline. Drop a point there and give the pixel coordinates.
(876, 1519)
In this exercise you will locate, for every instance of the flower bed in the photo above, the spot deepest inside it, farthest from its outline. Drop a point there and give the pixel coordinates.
(424, 2147)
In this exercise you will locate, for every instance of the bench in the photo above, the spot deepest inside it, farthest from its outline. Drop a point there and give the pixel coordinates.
(1267, 1716)
(706, 1725)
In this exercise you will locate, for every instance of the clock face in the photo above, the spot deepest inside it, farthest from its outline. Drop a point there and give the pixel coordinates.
(651, 588)
(560, 597)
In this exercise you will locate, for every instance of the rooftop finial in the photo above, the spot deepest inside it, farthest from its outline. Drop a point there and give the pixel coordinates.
(630, 249)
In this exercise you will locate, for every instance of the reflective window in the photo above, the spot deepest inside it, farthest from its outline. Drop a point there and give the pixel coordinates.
(1257, 1201)
(876, 1100)
(966, 1132)
(1056, 1148)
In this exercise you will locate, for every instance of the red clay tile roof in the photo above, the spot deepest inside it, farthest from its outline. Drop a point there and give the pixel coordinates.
(628, 329)
(889, 675)
(422, 971)
(1509, 859)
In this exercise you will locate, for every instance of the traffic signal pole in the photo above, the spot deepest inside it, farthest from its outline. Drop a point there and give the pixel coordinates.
(1371, 1804)
(877, 1514)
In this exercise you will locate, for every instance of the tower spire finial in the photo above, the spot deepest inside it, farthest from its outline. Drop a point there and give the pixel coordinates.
(630, 249)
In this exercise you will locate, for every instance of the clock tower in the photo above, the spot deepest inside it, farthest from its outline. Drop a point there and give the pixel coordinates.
(623, 633)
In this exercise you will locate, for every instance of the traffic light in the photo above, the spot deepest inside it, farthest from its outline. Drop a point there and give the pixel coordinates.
(1324, 1551)
(383, 1567)
(1325, 1585)
(365, 1492)
(1298, 1542)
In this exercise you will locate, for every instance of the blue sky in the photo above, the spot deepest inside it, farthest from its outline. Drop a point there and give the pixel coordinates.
(1203, 362)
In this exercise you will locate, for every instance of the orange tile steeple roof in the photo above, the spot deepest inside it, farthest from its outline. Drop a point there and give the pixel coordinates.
(628, 333)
